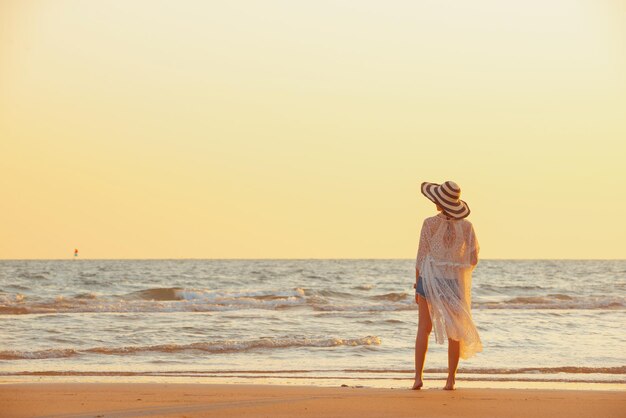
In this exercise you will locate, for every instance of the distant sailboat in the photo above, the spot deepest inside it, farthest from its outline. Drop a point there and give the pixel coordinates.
(75, 252)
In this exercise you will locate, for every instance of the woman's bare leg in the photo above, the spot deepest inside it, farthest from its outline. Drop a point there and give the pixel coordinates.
(421, 341)
(454, 348)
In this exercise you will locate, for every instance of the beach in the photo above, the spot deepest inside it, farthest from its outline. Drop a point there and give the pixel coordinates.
(198, 400)
(308, 338)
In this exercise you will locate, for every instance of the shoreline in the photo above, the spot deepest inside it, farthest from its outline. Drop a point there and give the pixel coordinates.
(308, 381)
(230, 400)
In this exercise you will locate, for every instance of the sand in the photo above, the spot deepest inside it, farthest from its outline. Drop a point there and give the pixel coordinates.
(201, 400)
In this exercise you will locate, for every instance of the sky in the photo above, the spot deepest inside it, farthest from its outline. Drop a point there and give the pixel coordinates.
(285, 129)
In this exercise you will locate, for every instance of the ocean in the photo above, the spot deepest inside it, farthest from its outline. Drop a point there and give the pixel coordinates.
(308, 321)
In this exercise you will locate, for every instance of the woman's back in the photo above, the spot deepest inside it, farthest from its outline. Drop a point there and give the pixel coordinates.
(448, 242)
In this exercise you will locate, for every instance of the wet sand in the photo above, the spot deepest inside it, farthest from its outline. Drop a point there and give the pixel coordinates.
(201, 400)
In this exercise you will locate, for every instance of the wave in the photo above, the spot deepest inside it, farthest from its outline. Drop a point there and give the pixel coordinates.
(363, 306)
(556, 301)
(177, 299)
(171, 293)
(33, 276)
(508, 288)
(402, 302)
(177, 293)
(35, 355)
(215, 347)
(520, 370)
(173, 299)
(393, 297)
(329, 293)
(549, 370)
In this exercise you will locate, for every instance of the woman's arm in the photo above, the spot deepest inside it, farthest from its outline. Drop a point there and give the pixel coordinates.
(474, 246)
(417, 276)
(422, 250)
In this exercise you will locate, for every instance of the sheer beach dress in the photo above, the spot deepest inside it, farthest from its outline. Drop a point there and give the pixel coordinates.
(444, 262)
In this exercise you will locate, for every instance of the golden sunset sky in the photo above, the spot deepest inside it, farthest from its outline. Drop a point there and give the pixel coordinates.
(303, 129)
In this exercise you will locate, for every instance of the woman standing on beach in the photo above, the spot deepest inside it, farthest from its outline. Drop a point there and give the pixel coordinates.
(447, 254)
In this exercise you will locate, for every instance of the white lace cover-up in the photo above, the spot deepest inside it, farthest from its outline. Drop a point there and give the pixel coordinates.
(444, 263)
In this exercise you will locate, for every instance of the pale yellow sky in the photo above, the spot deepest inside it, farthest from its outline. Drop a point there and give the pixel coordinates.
(285, 129)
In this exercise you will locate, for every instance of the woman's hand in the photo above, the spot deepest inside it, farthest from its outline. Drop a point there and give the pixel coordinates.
(474, 258)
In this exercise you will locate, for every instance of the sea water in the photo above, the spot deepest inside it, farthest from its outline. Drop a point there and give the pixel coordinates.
(304, 320)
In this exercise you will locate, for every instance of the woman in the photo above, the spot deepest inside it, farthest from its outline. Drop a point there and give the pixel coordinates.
(447, 254)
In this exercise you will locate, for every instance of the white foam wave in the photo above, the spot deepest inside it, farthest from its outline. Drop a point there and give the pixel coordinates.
(39, 354)
(156, 300)
(217, 347)
(203, 300)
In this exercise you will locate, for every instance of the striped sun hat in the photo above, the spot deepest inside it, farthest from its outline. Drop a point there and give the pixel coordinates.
(447, 195)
